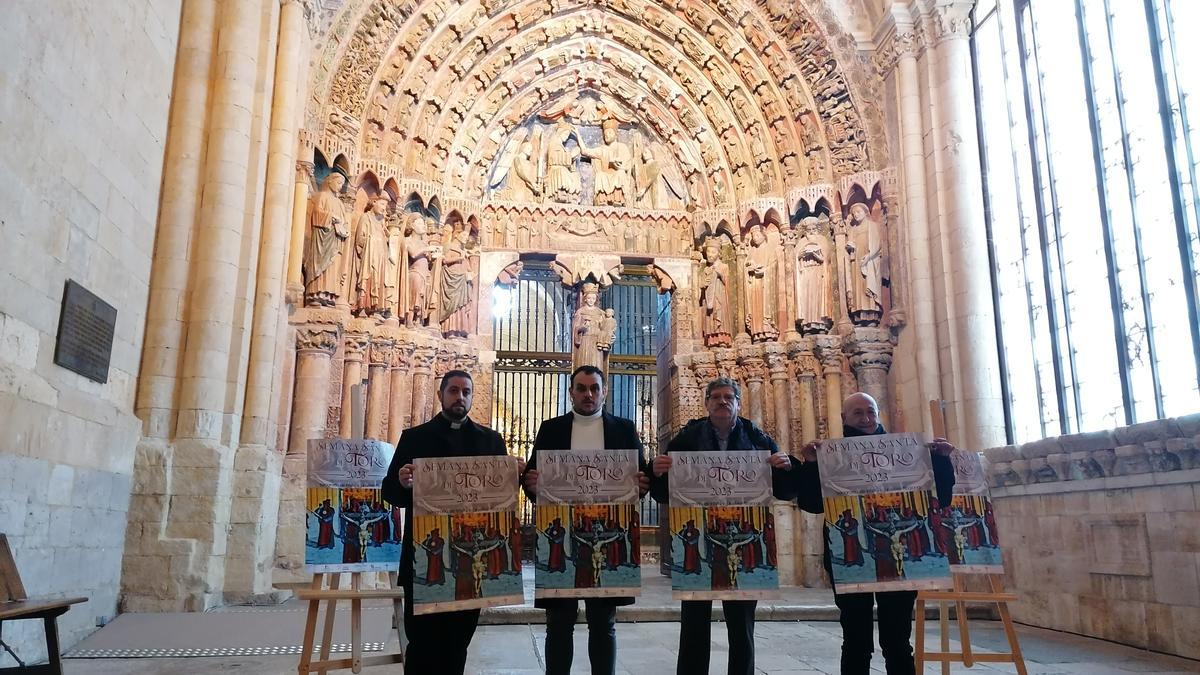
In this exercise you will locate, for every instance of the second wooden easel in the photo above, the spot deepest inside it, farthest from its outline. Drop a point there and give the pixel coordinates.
(959, 597)
(326, 587)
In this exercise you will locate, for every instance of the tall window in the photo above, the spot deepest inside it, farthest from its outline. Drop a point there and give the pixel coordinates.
(1090, 128)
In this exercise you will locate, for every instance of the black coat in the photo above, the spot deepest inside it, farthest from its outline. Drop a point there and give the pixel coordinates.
(555, 434)
(435, 438)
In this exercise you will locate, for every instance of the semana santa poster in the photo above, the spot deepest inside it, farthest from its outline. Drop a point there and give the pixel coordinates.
(966, 530)
(348, 525)
(878, 514)
(721, 528)
(587, 521)
(466, 534)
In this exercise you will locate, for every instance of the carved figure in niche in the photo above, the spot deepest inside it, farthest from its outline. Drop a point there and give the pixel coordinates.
(608, 331)
(611, 162)
(585, 329)
(714, 297)
(652, 174)
(630, 233)
(371, 258)
(814, 279)
(328, 232)
(456, 285)
(525, 233)
(685, 237)
(421, 255)
(664, 238)
(562, 180)
(761, 288)
(394, 275)
(864, 260)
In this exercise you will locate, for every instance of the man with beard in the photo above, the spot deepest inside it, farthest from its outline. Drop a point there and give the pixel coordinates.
(860, 417)
(437, 642)
(586, 427)
(721, 430)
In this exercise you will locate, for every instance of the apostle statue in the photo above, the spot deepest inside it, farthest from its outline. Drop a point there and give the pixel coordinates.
(611, 162)
(456, 285)
(761, 288)
(714, 298)
(585, 329)
(562, 179)
(371, 258)
(814, 280)
(864, 265)
(421, 254)
(394, 275)
(328, 231)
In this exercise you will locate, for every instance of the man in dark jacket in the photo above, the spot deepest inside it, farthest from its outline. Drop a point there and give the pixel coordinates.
(721, 430)
(586, 427)
(437, 642)
(860, 417)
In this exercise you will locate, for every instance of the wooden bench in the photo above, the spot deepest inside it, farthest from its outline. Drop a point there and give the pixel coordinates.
(15, 605)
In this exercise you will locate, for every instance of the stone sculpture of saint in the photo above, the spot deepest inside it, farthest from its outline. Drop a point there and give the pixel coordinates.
(761, 288)
(864, 254)
(526, 184)
(714, 298)
(394, 276)
(814, 281)
(608, 331)
(562, 180)
(328, 231)
(371, 258)
(421, 255)
(456, 286)
(611, 164)
(585, 329)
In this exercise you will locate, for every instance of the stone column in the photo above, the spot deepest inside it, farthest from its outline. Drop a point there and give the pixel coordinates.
(691, 393)
(378, 385)
(870, 352)
(787, 281)
(358, 340)
(829, 351)
(158, 382)
(443, 364)
(422, 386)
(805, 365)
(750, 358)
(400, 405)
(971, 315)
(776, 357)
(295, 269)
(838, 264)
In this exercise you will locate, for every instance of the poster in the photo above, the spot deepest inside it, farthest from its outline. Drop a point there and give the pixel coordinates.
(879, 515)
(965, 532)
(721, 528)
(588, 543)
(348, 525)
(466, 534)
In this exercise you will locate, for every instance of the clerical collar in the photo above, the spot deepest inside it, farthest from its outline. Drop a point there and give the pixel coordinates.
(596, 415)
(453, 424)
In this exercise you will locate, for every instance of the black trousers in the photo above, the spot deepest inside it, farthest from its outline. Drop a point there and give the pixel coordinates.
(602, 635)
(695, 636)
(895, 631)
(437, 643)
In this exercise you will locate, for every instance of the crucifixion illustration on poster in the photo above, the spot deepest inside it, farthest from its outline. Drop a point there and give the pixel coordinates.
(721, 528)
(880, 516)
(466, 534)
(965, 531)
(587, 521)
(348, 525)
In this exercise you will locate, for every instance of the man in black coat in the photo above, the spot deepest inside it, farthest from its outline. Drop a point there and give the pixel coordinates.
(437, 642)
(586, 427)
(860, 417)
(721, 430)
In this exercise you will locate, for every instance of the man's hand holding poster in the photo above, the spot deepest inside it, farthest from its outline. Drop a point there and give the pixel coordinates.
(348, 526)
(721, 528)
(466, 534)
(587, 524)
(878, 513)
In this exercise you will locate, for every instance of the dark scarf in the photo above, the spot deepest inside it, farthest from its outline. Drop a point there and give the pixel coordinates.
(848, 431)
(738, 437)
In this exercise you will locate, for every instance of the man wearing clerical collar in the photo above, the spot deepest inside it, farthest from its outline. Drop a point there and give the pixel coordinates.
(437, 642)
(586, 427)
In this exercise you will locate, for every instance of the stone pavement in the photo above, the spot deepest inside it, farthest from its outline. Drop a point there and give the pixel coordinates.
(784, 648)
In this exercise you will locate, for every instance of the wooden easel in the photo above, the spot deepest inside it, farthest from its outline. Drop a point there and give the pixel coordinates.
(959, 597)
(317, 592)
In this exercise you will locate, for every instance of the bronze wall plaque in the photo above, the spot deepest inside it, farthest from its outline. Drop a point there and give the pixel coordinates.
(86, 327)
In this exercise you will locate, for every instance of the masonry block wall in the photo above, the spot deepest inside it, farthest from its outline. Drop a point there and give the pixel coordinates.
(1101, 533)
(83, 116)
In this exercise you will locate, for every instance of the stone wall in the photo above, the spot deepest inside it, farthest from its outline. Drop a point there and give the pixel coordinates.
(1102, 533)
(83, 116)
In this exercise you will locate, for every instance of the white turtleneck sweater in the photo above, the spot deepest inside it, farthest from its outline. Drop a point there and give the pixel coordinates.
(587, 431)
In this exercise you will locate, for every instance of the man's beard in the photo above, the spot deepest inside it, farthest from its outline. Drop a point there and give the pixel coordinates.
(456, 412)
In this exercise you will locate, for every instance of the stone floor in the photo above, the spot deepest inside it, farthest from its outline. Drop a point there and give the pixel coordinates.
(784, 648)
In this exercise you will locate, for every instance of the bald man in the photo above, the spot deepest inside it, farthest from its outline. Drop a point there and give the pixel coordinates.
(860, 417)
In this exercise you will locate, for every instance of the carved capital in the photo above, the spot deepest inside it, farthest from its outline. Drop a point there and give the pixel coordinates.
(829, 350)
(381, 352)
(663, 280)
(751, 360)
(904, 43)
(317, 338)
(510, 274)
(402, 355)
(726, 361)
(777, 363)
(704, 365)
(356, 345)
(422, 359)
(870, 348)
(305, 172)
(801, 353)
(948, 19)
